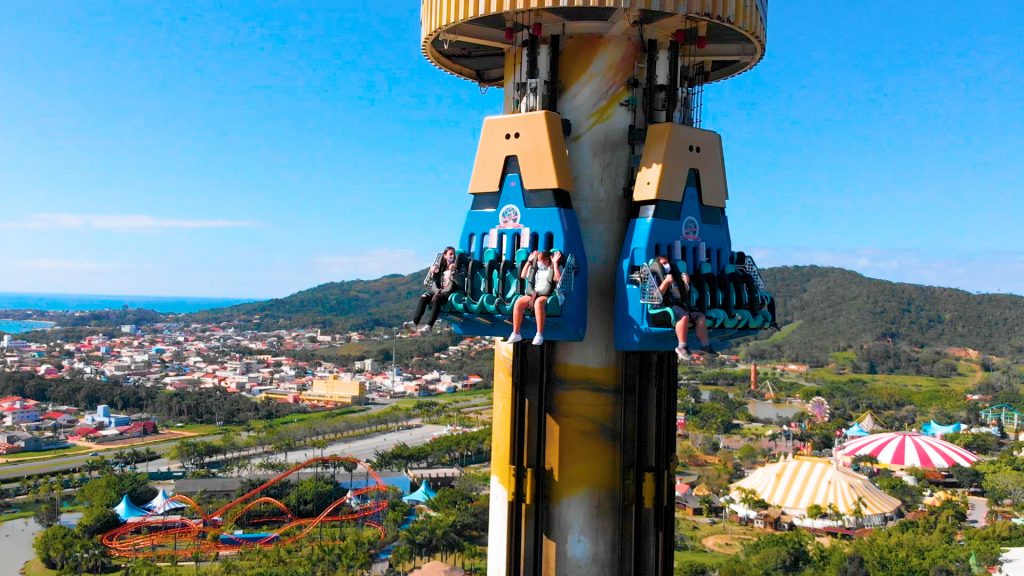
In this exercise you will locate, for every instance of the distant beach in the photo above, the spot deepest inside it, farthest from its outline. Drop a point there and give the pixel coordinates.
(83, 302)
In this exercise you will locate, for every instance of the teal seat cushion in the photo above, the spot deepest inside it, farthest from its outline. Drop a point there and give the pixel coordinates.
(502, 306)
(715, 317)
(483, 305)
(663, 313)
(457, 302)
(553, 307)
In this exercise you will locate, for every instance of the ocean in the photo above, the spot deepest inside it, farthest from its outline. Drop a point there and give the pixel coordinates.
(82, 302)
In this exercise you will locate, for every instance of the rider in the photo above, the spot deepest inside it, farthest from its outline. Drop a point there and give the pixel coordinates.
(542, 273)
(445, 278)
(678, 297)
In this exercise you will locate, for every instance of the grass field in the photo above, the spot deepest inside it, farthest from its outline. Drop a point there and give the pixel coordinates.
(448, 398)
(922, 391)
(308, 416)
(46, 454)
(683, 557)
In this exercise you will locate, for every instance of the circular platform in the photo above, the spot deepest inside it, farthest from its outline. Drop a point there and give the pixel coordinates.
(470, 38)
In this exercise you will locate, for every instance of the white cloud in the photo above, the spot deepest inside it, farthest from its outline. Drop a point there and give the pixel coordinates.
(369, 264)
(59, 265)
(1001, 271)
(118, 222)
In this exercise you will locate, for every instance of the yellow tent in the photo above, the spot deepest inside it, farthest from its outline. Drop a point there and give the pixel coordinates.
(796, 483)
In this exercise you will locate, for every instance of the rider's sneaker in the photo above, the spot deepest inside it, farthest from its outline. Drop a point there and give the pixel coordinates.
(514, 337)
(683, 353)
(538, 339)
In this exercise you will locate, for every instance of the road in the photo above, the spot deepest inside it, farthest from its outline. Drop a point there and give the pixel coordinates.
(977, 511)
(14, 471)
(364, 448)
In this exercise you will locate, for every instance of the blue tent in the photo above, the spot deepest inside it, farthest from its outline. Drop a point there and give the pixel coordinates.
(424, 494)
(163, 503)
(856, 431)
(125, 510)
(935, 429)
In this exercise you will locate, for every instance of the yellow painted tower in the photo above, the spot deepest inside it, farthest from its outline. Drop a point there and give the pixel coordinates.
(571, 494)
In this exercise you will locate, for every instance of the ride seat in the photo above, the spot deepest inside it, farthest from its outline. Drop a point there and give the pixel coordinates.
(707, 284)
(553, 306)
(660, 316)
(511, 287)
(738, 314)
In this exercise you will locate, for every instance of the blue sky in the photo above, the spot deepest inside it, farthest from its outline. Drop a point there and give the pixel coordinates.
(266, 148)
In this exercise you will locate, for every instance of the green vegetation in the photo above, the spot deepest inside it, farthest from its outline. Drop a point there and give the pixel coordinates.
(839, 310)
(336, 306)
(202, 405)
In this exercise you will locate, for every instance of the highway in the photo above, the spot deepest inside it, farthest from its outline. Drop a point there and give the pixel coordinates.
(362, 448)
(15, 470)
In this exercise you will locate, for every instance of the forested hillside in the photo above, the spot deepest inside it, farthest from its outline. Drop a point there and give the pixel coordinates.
(836, 310)
(841, 310)
(336, 306)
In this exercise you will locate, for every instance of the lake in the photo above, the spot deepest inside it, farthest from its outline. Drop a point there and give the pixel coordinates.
(19, 326)
(16, 544)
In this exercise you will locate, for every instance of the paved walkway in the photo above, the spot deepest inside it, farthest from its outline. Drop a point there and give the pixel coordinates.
(977, 511)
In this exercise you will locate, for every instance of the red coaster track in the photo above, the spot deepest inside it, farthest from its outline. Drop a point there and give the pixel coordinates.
(157, 535)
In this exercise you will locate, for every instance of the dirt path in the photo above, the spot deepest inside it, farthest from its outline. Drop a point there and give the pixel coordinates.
(725, 543)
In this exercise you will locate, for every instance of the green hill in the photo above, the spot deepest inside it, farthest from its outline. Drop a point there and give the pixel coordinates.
(335, 306)
(833, 309)
(841, 310)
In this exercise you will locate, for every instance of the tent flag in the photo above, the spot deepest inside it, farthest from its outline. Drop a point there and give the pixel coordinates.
(125, 510)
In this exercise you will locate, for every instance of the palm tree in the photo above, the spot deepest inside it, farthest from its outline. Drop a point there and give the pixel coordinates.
(401, 555)
(149, 454)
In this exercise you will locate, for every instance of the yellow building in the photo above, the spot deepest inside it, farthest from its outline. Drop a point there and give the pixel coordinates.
(334, 390)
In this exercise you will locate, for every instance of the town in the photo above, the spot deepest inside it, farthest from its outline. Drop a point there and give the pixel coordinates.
(263, 366)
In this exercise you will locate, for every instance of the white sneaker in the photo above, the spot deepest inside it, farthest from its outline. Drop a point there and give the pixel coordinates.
(683, 353)
(409, 325)
(514, 337)
(425, 328)
(538, 339)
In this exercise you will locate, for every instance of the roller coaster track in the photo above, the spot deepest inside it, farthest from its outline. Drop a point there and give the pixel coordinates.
(155, 535)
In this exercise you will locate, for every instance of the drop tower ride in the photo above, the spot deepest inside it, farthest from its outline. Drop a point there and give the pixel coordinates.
(599, 155)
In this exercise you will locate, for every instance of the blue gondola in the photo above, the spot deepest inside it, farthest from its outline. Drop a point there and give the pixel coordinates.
(679, 211)
(521, 188)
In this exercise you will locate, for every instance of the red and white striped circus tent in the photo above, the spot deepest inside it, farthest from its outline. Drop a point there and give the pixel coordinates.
(794, 484)
(908, 450)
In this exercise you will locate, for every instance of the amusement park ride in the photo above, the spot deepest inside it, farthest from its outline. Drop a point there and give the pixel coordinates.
(195, 531)
(599, 155)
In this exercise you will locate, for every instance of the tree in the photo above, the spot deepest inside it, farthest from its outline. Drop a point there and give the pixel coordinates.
(46, 514)
(1005, 485)
(710, 418)
(107, 490)
(55, 546)
(97, 520)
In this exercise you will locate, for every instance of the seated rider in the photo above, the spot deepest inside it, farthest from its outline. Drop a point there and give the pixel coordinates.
(444, 279)
(542, 274)
(678, 298)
